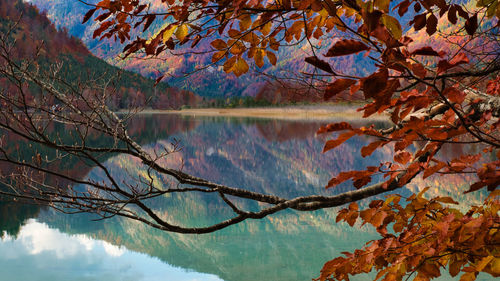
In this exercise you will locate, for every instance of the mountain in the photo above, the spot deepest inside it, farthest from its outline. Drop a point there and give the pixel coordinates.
(212, 81)
(209, 82)
(268, 156)
(34, 30)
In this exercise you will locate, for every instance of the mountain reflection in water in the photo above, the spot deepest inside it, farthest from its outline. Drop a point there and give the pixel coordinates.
(274, 157)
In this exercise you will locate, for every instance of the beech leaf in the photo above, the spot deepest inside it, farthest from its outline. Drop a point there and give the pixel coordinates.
(182, 32)
(431, 24)
(427, 51)
(331, 144)
(471, 25)
(88, 15)
(444, 65)
(338, 86)
(334, 127)
(321, 64)
(392, 25)
(346, 47)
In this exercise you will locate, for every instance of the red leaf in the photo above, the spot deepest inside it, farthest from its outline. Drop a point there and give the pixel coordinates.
(346, 47)
(402, 157)
(342, 177)
(444, 65)
(104, 26)
(454, 95)
(334, 127)
(360, 182)
(338, 86)
(418, 69)
(158, 80)
(368, 150)
(374, 83)
(321, 64)
(331, 144)
(431, 170)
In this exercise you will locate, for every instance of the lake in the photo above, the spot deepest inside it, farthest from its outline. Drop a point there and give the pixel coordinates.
(264, 155)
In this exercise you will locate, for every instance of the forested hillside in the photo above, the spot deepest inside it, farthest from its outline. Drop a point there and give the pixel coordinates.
(36, 38)
(209, 81)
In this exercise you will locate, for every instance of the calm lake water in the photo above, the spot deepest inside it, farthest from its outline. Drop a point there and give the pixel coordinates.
(271, 156)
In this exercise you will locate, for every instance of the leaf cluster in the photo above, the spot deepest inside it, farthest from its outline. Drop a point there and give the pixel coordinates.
(421, 237)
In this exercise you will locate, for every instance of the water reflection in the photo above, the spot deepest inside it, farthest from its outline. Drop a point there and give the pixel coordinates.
(274, 157)
(42, 253)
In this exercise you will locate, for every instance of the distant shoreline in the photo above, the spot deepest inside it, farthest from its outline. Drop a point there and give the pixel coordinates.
(320, 112)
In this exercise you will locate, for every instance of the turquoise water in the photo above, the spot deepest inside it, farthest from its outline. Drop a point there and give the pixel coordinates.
(270, 156)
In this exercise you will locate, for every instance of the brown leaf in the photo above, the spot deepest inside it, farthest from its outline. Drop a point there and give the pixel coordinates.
(240, 67)
(446, 199)
(444, 65)
(218, 56)
(378, 218)
(427, 51)
(398, 227)
(418, 69)
(403, 7)
(454, 95)
(374, 83)
(419, 22)
(431, 170)
(228, 65)
(402, 157)
(455, 266)
(149, 21)
(321, 64)
(338, 86)
(471, 25)
(259, 57)
(351, 219)
(271, 57)
(430, 269)
(368, 150)
(431, 24)
(331, 144)
(367, 214)
(330, 7)
(346, 47)
(452, 14)
(157, 81)
(88, 15)
(461, 12)
(334, 127)
(218, 44)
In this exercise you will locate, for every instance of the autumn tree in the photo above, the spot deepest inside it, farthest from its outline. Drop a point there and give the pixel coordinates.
(444, 90)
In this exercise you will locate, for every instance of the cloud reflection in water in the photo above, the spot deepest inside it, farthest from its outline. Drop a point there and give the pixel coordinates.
(43, 253)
